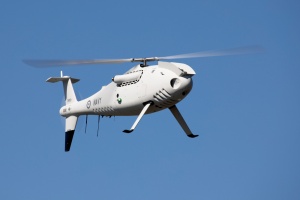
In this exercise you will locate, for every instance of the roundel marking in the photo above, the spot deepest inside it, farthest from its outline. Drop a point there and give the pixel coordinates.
(88, 104)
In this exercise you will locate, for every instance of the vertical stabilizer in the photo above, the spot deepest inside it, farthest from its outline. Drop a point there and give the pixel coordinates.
(70, 98)
(70, 129)
(69, 93)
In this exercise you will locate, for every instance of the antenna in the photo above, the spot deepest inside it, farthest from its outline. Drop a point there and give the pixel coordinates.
(61, 74)
(98, 125)
(86, 119)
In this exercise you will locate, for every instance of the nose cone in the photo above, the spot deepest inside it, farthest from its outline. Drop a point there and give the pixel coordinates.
(180, 83)
(186, 85)
(182, 87)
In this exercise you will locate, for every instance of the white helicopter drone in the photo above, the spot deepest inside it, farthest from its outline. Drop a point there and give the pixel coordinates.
(141, 90)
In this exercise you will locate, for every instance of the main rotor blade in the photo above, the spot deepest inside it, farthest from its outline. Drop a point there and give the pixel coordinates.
(57, 63)
(225, 52)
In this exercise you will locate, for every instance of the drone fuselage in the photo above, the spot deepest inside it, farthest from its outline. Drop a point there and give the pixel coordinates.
(164, 85)
(142, 90)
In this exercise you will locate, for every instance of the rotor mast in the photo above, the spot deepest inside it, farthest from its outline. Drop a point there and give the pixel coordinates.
(144, 60)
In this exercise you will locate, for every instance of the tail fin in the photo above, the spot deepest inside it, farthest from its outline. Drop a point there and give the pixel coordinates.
(70, 97)
(70, 129)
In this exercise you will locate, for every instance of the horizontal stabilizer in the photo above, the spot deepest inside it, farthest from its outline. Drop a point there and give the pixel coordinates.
(65, 78)
(67, 81)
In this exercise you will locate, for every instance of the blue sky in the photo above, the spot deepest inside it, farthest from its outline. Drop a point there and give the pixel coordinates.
(245, 108)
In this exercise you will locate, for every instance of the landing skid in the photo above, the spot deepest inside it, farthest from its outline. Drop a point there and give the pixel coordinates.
(181, 121)
(139, 118)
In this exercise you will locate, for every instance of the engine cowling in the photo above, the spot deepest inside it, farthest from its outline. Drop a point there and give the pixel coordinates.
(133, 76)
